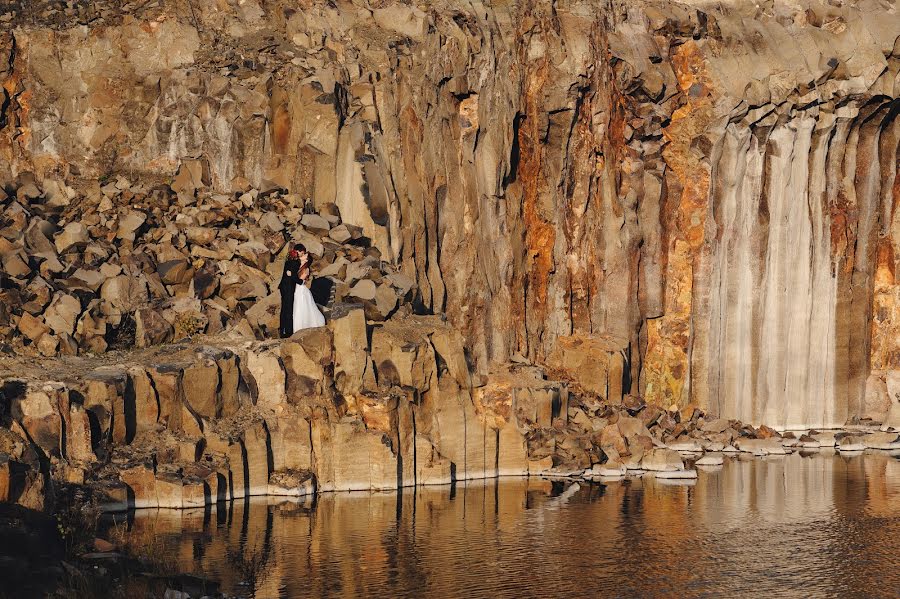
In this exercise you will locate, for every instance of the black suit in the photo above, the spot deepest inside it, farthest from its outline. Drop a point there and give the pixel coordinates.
(289, 280)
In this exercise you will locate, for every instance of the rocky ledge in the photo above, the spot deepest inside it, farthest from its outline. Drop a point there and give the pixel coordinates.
(355, 405)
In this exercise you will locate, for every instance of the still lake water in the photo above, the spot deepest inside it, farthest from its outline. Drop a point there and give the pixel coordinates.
(817, 525)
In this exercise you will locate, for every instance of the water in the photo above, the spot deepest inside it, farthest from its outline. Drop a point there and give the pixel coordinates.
(818, 525)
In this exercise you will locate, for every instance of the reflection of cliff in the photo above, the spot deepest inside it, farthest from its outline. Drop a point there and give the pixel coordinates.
(713, 182)
(815, 526)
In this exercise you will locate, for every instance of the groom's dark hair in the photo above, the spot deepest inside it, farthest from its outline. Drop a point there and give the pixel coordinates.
(299, 247)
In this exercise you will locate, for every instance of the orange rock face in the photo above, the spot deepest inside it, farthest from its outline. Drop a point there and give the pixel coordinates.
(717, 187)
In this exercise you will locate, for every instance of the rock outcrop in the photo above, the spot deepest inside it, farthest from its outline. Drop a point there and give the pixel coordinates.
(713, 186)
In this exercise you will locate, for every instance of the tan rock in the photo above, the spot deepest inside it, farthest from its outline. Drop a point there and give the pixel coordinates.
(200, 384)
(78, 435)
(403, 356)
(31, 327)
(37, 410)
(129, 224)
(141, 481)
(151, 328)
(662, 460)
(62, 314)
(146, 403)
(305, 356)
(595, 362)
(265, 376)
(175, 272)
(105, 398)
(352, 368)
(72, 234)
(167, 381)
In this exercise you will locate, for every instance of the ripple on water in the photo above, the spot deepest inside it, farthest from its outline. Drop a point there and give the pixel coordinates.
(819, 525)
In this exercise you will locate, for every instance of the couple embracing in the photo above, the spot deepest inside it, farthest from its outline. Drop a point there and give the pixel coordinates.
(298, 308)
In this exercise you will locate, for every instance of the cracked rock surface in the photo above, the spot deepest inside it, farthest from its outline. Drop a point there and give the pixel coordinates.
(711, 185)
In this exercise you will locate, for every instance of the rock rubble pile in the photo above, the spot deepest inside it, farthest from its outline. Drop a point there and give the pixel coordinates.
(129, 265)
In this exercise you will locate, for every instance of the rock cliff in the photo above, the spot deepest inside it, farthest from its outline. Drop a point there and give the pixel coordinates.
(713, 185)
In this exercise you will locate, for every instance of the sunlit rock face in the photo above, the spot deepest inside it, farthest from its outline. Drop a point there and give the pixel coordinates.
(712, 182)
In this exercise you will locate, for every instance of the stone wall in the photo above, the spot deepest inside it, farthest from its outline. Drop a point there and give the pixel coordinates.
(343, 407)
(713, 183)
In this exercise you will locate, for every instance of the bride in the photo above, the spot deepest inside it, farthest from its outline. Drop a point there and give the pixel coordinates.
(306, 314)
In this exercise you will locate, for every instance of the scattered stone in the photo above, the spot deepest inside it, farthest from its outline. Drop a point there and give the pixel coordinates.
(662, 460)
(710, 459)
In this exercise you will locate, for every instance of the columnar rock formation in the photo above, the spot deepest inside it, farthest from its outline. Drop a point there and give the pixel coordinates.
(711, 184)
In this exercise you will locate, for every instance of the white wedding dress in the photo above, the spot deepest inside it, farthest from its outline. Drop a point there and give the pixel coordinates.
(306, 313)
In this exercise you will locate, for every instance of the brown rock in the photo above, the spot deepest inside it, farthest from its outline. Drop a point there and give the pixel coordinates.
(662, 460)
(265, 377)
(73, 234)
(595, 362)
(611, 438)
(151, 328)
(352, 368)
(37, 410)
(200, 384)
(175, 272)
(146, 404)
(31, 327)
(105, 398)
(306, 356)
(764, 432)
(167, 380)
(62, 314)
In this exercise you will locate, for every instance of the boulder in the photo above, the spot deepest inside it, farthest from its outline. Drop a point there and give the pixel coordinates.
(129, 224)
(151, 328)
(271, 221)
(662, 459)
(686, 445)
(62, 314)
(340, 234)
(385, 300)
(612, 468)
(716, 426)
(760, 446)
(710, 459)
(73, 234)
(315, 223)
(125, 293)
(306, 356)
(200, 384)
(31, 327)
(364, 290)
(882, 440)
(175, 272)
(265, 376)
(38, 412)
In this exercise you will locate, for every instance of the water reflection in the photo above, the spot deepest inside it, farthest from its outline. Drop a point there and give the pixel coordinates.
(818, 525)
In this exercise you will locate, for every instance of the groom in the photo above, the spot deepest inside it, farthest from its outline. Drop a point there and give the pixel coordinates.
(287, 286)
